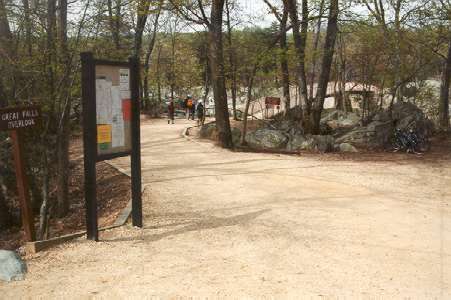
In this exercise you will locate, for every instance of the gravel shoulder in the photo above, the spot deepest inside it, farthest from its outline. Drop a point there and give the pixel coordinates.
(227, 224)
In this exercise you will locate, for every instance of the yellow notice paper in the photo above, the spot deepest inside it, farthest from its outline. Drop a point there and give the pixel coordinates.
(103, 134)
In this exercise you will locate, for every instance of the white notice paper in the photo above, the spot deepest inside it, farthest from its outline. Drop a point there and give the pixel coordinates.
(103, 101)
(118, 139)
(124, 79)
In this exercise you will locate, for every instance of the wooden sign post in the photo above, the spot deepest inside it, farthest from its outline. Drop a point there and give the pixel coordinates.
(111, 127)
(14, 120)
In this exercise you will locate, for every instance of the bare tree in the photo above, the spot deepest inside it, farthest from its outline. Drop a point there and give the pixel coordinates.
(6, 53)
(444, 90)
(114, 17)
(142, 13)
(149, 51)
(198, 15)
(323, 80)
(300, 38)
(315, 48)
(65, 107)
(232, 61)
(285, 74)
(218, 75)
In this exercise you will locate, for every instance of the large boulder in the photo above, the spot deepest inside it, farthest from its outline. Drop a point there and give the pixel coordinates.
(266, 139)
(288, 126)
(407, 115)
(284, 125)
(340, 119)
(297, 142)
(12, 267)
(321, 143)
(309, 144)
(378, 132)
(348, 120)
(374, 135)
(324, 143)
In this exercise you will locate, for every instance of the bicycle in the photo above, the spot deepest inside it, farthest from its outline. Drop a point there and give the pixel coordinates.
(410, 141)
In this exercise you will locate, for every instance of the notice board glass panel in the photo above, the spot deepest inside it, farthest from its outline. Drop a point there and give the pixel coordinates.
(113, 107)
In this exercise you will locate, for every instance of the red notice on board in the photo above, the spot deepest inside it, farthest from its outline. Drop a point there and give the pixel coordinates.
(127, 109)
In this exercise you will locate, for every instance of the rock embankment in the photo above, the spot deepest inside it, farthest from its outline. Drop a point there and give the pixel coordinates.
(343, 132)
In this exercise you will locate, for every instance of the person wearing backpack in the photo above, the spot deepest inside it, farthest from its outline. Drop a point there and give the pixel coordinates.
(189, 106)
(200, 113)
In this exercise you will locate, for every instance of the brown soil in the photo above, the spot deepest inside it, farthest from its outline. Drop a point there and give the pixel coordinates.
(113, 194)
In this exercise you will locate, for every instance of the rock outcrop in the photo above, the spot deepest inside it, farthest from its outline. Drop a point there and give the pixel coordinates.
(12, 267)
(380, 127)
(264, 138)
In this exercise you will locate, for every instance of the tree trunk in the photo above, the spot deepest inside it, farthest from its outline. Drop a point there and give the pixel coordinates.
(28, 24)
(50, 70)
(28, 44)
(6, 54)
(159, 76)
(250, 85)
(323, 80)
(114, 21)
(63, 173)
(342, 75)
(63, 169)
(50, 51)
(300, 38)
(232, 61)
(172, 72)
(315, 49)
(397, 51)
(147, 61)
(218, 75)
(284, 62)
(43, 219)
(5, 31)
(35, 190)
(141, 20)
(444, 91)
(206, 87)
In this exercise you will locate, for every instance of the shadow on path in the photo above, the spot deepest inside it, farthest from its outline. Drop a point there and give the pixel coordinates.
(209, 222)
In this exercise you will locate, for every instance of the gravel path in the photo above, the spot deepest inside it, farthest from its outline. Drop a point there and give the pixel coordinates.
(223, 224)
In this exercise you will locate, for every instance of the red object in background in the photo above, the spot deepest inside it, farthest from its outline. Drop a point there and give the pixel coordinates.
(272, 101)
(127, 109)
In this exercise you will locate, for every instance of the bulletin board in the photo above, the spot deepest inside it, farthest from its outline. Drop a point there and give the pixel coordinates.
(111, 127)
(113, 109)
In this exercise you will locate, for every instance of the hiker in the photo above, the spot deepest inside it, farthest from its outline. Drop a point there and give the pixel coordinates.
(189, 103)
(171, 111)
(193, 110)
(200, 113)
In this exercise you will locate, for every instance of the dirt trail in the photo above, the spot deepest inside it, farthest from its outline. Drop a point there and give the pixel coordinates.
(224, 224)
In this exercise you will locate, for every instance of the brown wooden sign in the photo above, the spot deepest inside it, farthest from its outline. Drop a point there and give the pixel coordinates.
(19, 117)
(272, 101)
(13, 119)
